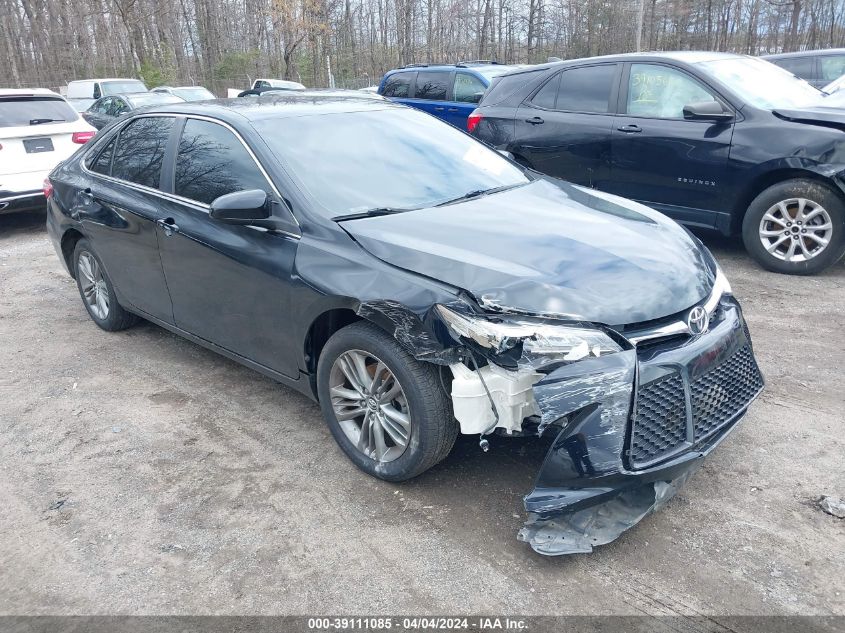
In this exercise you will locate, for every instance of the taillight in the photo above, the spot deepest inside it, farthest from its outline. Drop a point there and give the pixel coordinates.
(80, 138)
(473, 120)
(47, 188)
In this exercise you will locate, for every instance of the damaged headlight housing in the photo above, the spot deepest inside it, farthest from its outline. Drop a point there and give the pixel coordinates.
(543, 342)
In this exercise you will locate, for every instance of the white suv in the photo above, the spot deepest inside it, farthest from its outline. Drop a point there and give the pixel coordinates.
(38, 130)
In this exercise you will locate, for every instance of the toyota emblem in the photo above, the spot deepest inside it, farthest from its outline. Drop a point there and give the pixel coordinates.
(698, 320)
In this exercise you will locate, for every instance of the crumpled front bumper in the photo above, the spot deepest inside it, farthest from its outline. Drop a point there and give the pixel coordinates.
(633, 426)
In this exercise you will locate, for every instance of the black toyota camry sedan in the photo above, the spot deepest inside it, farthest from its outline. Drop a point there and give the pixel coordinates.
(714, 140)
(417, 284)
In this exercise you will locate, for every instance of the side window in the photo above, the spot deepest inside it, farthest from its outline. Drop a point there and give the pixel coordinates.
(662, 92)
(801, 66)
(102, 164)
(431, 85)
(547, 95)
(262, 84)
(119, 106)
(398, 85)
(468, 88)
(586, 89)
(103, 105)
(831, 67)
(140, 150)
(212, 162)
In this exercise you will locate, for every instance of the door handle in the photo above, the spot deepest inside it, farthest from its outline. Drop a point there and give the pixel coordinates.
(439, 108)
(630, 129)
(535, 120)
(168, 225)
(453, 109)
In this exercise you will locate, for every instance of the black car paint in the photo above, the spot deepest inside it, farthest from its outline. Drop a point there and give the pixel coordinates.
(270, 299)
(701, 173)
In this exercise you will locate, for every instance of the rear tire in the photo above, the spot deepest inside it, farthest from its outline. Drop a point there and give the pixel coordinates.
(796, 227)
(97, 290)
(385, 409)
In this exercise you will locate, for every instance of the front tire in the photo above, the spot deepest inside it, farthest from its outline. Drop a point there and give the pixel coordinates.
(796, 227)
(97, 291)
(386, 410)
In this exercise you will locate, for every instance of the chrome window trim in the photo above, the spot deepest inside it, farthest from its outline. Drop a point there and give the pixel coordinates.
(201, 206)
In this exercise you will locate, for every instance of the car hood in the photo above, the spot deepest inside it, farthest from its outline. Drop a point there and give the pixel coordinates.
(552, 249)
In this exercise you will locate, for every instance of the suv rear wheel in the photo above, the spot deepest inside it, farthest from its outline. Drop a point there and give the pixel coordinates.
(796, 227)
(386, 410)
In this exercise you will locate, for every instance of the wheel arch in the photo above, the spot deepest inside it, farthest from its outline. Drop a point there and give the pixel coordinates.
(765, 180)
(68, 244)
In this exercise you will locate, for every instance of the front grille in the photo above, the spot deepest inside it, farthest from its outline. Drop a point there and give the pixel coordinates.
(663, 425)
(724, 391)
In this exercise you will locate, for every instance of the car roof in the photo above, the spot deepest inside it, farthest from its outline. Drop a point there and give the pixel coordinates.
(476, 66)
(689, 57)
(274, 105)
(813, 53)
(27, 92)
(76, 81)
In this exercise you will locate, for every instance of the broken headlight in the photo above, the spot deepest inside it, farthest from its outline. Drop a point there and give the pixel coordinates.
(543, 343)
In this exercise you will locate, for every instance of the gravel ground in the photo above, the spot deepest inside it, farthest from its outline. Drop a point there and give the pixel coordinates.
(142, 474)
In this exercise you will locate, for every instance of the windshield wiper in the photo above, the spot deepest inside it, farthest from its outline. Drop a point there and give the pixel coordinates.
(40, 121)
(477, 193)
(372, 213)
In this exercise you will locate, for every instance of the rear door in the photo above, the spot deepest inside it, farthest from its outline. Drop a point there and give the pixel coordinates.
(230, 284)
(467, 90)
(564, 128)
(431, 92)
(119, 209)
(659, 157)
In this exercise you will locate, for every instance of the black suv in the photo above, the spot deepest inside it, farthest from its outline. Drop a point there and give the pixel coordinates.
(714, 140)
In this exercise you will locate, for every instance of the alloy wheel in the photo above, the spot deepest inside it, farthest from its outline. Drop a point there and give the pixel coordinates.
(796, 230)
(370, 405)
(95, 292)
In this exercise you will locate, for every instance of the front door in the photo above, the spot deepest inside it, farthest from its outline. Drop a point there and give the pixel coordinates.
(229, 284)
(565, 128)
(466, 93)
(662, 159)
(119, 210)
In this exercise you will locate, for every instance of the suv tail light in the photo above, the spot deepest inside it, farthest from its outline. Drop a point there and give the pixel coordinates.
(473, 120)
(80, 138)
(47, 188)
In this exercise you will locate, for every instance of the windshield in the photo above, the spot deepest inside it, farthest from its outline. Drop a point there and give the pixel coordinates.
(193, 94)
(761, 83)
(154, 98)
(20, 111)
(393, 158)
(122, 87)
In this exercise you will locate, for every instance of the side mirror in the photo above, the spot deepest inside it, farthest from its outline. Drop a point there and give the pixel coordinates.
(506, 154)
(241, 207)
(254, 208)
(706, 111)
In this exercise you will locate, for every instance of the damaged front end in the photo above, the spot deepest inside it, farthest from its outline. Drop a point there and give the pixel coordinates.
(635, 410)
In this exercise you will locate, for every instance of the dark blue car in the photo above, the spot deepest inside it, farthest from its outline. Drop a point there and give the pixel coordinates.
(449, 92)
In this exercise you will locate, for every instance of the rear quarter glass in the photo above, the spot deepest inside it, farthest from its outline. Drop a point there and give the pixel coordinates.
(505, 86)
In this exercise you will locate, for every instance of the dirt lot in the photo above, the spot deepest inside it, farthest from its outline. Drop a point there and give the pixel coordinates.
(144, 474)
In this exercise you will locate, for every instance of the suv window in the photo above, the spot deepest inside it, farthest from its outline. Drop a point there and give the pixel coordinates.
(831, 67)
(398, 85)
(118, 107)
(466, 87)
(547, 96)
(800, 66)
(22, 111)
(431, 85)
(102, 164)
(212, 162)
(140, 150)
(662, 92)
(586, 89)
(504, 87)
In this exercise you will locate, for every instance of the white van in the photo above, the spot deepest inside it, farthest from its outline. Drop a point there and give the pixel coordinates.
(96, 88)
